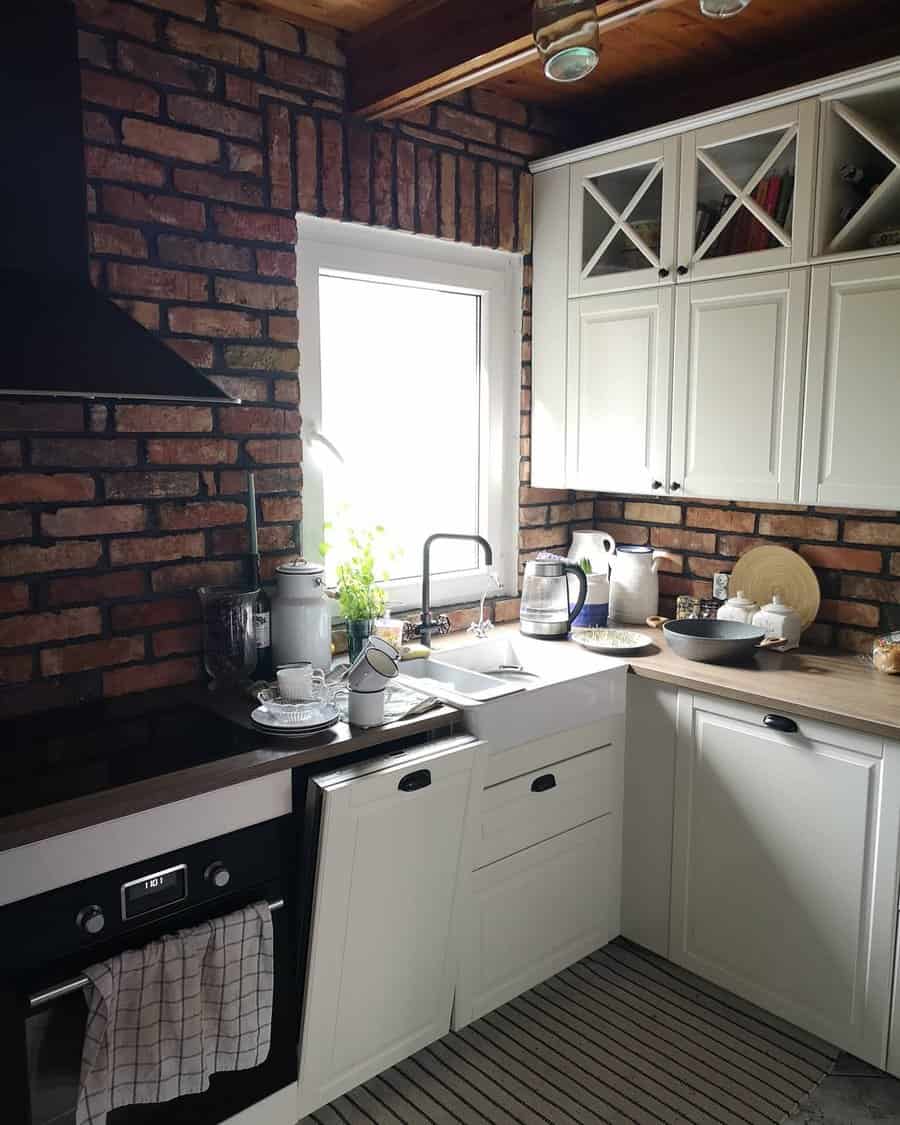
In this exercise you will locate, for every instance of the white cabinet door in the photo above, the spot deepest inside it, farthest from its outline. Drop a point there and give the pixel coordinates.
(746, 193)
(784, 871)
(739, 346)
(622, 219)
(549, 327)
(382, 964)
(649, 803)
(538, 911)
(851, 440)
(617, 390)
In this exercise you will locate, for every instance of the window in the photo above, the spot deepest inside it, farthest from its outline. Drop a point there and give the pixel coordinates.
(409, 395)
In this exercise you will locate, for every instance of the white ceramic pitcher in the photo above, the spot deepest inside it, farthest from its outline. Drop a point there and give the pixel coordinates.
(634, 590)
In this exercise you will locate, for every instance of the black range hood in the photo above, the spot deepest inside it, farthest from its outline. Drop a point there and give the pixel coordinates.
(60, 335)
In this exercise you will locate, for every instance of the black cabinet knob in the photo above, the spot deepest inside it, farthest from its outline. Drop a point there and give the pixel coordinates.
(674, 486)
(656, 484)
(682, 270)
(543, 783)
(663, 272)
(779, 722)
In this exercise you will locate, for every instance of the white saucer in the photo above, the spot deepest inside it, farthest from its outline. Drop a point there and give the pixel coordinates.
(308, 719)
(614, 642)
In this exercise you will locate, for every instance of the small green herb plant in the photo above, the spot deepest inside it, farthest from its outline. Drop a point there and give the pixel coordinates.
(359, 595)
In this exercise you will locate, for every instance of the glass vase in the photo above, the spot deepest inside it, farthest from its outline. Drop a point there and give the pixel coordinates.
(358, 632)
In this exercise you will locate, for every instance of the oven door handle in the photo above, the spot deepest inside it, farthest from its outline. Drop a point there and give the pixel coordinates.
(76, 984)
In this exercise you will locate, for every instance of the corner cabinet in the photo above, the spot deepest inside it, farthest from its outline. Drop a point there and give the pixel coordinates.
(382, 955)
(676, 347)
(784, 874)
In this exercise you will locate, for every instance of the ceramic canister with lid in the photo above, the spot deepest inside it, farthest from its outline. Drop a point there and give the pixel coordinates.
(739, 608)
(301, 615)
(779, 620)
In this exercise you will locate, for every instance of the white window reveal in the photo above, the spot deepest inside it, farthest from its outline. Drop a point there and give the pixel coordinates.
(409, 395)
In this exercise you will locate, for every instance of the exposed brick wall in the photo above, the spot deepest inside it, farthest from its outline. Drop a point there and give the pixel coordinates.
(855, 554)
(207, 126)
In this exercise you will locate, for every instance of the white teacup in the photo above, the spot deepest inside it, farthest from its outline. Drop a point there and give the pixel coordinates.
(372, 669)
(299, 683)
(366, 708)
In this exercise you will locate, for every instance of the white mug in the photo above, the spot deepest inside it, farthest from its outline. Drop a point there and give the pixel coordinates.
(384, 646)
(371, 670)
(366, 708)
(298, 683)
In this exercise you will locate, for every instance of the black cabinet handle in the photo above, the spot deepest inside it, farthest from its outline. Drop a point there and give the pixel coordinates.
(682, 270)
(663, 272)
(674, 486)
(421, 779)
(543, 783)
(779, 722)
(656, 484)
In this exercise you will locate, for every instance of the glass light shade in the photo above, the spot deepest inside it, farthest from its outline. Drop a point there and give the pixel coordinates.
(567, 37)
(722, 9)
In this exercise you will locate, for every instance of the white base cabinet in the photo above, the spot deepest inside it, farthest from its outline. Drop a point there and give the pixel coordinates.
(547, 863)
(784, 882)
(382, 959)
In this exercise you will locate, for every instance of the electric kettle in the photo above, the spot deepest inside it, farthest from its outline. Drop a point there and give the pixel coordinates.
(545, 609)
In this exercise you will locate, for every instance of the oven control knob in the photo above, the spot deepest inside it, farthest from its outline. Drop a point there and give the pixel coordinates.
(90, 920)
(217, 874)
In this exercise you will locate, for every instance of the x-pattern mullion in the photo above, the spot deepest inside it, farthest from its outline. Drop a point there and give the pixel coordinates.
(620, 221)
(743, 197)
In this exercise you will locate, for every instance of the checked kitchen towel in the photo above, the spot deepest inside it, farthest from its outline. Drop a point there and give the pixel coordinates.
(163, 1019)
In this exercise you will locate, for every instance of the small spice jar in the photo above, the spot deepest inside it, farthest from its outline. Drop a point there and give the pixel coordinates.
(779, 620)
(739, 608)
(886, 653)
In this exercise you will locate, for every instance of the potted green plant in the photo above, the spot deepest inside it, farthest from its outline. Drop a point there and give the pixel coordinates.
(361, 598)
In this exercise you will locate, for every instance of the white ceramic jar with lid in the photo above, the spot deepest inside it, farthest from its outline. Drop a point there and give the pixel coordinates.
(779, 620)
(739, 608)
(301, 616)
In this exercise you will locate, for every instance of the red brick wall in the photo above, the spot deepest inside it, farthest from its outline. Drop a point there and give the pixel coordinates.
(856, 555)
(207, 126)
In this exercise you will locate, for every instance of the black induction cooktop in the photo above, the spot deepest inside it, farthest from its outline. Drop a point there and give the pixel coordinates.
(73, 752)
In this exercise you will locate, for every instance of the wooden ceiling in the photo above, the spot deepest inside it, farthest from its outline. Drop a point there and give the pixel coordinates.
(660, 59)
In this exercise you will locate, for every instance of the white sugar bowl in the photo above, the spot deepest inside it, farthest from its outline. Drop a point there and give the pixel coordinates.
(739, 608)
(779, 620)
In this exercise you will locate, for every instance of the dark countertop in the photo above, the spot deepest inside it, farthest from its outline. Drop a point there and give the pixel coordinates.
(77, 767)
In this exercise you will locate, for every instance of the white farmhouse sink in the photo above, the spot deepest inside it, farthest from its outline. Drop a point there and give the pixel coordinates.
(559, 690)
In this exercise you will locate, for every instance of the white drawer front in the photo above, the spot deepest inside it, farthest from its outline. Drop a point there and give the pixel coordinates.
(541, 752)
(545, 802)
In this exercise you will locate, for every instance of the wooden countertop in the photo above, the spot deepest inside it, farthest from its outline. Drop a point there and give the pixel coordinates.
(270, 754)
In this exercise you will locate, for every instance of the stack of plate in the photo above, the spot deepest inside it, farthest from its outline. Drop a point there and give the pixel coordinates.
(297, 719)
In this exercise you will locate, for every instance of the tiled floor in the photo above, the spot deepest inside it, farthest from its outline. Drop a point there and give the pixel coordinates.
(855, 1094)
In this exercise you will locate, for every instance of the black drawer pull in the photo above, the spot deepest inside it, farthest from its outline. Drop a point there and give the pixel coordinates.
(421, 779)
(779, 722)
(543, 783)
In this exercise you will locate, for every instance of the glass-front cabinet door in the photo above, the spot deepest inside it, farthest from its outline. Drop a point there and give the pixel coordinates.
(746, 193)
(623, 214)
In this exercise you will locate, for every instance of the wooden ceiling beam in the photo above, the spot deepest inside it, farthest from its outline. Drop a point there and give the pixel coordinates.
(430, 49)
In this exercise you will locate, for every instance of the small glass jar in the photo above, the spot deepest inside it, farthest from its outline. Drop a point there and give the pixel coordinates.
(886, 653)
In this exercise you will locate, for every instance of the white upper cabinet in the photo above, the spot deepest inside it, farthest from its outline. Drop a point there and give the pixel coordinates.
(858, 186)
(617, 390)
(851, 450)
(737, 386)
(746, 192)
(623, 212)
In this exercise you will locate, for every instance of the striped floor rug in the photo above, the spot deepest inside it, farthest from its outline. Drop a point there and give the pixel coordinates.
(622, 1036)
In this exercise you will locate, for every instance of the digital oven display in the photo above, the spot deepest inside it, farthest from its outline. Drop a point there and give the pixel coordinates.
(150, 892)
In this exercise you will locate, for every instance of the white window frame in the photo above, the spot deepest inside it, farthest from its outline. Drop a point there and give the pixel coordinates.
(496, 276)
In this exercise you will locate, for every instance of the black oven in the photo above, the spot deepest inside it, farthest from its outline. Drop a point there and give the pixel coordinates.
(46, 943)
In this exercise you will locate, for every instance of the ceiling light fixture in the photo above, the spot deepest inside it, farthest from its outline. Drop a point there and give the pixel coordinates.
(722, 9)
(567, 37)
